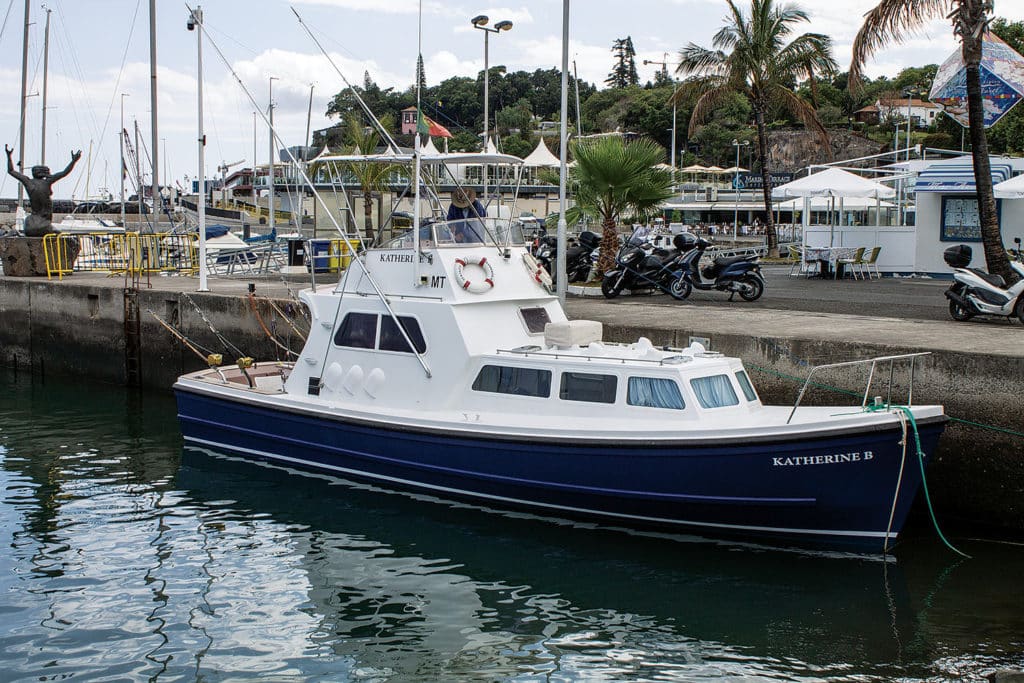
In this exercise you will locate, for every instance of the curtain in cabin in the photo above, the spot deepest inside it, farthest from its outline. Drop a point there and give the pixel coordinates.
(655, 392)
(715, 391)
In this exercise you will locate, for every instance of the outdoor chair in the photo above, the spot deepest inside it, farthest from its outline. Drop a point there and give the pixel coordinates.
(869, 266)
(852, 264)
(796, 260)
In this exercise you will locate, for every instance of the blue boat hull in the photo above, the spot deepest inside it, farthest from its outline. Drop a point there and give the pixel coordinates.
(835, 491)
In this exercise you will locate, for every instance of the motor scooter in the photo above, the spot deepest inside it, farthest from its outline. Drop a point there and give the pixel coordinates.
(975, 292)
(640, 266)
(734, 274)
(578, 259)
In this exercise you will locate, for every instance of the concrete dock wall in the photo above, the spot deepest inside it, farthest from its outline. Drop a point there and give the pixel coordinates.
(76, 328)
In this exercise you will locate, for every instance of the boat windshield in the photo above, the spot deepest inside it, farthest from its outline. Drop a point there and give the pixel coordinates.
(494, 232)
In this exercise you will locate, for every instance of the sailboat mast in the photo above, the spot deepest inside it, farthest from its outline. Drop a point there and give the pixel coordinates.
(152, 104)
(24, 97)
(46, 65)
(271, 178)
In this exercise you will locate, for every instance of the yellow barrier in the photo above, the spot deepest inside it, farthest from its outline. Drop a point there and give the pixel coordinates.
(59, 255)
(134, 252)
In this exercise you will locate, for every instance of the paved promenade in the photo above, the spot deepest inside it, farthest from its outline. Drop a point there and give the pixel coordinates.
(904, 313)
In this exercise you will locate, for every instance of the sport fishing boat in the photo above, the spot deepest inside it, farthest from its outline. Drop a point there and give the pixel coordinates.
(441, 362)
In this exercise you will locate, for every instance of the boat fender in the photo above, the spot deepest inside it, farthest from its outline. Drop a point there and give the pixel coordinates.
(478, 286)
(538, 272)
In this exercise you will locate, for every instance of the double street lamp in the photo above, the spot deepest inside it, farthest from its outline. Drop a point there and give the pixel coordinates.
(480, 22)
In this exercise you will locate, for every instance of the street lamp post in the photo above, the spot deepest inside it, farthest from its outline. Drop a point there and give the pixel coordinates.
(672, 149)
(736, 187)
(480, 22)
(195, 20)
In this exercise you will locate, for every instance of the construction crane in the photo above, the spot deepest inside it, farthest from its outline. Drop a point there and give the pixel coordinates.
(223, 170)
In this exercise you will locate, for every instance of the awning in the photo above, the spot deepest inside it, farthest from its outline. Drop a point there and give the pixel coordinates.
(957, 176)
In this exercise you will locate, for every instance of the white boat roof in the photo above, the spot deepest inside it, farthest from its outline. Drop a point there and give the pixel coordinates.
(407, 157)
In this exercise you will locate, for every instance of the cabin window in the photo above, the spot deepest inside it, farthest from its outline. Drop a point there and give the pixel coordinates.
(358, 330)
(715, 391)
(654, 392)
(391, 338)
(746, 386)
(511, 380)
(535, 319)
(582, 386)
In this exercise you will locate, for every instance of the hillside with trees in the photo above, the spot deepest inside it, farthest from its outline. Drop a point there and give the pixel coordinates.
(522, 100)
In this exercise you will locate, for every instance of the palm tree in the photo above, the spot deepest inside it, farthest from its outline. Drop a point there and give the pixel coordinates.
(372, 177)
(891, 21)
(612, 177)
(751, 56)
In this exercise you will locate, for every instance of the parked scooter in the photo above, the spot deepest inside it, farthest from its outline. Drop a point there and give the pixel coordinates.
(734, 274)
(640, 266)
(975, 292)
(578, 259)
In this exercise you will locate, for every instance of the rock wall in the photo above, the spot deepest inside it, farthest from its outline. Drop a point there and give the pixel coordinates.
(793, 150)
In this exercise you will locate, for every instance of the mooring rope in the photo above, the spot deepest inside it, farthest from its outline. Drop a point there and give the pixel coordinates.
(270, 335)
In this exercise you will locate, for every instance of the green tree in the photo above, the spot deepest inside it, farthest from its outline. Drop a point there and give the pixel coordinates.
(613, 177)
(624, 73)
(751, 56)
(892, 21)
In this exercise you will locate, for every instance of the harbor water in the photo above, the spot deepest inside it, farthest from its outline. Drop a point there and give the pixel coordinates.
(127, 557)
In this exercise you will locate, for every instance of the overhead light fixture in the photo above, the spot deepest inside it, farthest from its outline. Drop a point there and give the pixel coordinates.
(480, 20)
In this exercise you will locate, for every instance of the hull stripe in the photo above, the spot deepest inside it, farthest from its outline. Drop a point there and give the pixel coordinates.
(549, 506)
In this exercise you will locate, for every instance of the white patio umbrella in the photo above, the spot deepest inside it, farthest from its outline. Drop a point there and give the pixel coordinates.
(833, 183)
(1010, 189)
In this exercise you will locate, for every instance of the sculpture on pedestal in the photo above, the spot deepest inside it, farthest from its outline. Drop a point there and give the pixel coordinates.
(40, 192)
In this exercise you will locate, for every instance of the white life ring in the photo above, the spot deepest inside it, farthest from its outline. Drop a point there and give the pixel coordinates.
(477, 286)
(538, 272)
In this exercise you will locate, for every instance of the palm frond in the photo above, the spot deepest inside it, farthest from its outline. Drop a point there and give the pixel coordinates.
(804, 112)
(708, 102)
(891, 21)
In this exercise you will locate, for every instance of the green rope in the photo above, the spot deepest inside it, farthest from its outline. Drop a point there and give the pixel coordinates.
(993, 428)
(839, 390)
(924, 482)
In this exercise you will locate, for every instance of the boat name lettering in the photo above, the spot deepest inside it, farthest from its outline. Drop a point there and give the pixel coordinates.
(396, 258)
(835, 459)
(437, 281)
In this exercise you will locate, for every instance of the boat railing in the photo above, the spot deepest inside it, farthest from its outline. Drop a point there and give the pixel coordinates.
(527, 351)
(874, 364)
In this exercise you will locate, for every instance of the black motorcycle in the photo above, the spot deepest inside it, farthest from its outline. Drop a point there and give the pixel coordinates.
(734, 274)
(577, 257)
(640, 266)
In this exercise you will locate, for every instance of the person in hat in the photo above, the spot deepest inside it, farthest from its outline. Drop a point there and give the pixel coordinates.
(465, 214)
(465, 205)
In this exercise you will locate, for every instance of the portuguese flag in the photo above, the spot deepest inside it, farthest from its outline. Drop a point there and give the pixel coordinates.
(428, 126)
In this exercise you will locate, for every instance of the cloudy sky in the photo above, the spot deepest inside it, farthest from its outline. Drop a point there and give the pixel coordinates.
(99, 49)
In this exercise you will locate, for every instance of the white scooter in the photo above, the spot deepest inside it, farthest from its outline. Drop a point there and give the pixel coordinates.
(975, 292)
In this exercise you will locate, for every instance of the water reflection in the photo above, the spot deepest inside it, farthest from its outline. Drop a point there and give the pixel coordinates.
(130, 559)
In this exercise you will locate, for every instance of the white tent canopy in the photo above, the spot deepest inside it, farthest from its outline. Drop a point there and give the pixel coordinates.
(1010, 189)
(428, 149)
(541, 156)
(833, 182)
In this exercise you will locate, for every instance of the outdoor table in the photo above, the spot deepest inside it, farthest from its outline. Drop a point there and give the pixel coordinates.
(826, 258)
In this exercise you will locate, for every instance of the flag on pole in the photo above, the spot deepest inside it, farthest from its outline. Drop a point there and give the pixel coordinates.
(428, 126)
